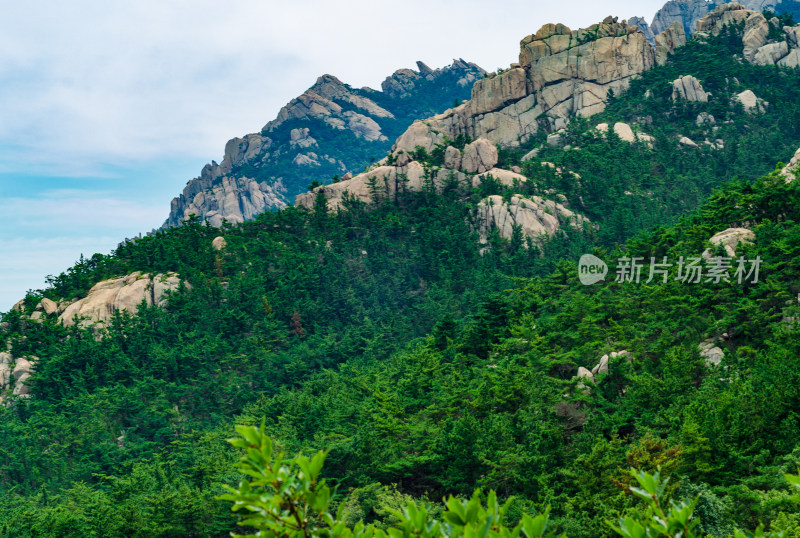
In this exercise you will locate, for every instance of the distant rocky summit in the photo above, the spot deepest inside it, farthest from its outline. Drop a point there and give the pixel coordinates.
(689, 12)
(331, 129)
(765, 42)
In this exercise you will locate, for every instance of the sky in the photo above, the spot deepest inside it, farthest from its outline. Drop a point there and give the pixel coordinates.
(108, 108)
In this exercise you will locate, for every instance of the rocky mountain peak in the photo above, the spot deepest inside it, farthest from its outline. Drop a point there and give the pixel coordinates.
(561, 73)
(262, 171)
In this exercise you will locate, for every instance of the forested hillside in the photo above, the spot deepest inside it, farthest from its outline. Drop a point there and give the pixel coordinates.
(430, 364)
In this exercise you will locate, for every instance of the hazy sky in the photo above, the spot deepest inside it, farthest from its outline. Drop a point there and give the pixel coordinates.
(107, 108)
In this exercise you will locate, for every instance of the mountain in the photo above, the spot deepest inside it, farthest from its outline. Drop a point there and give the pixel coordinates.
(427, 323)
(688, 12)
(331, 129)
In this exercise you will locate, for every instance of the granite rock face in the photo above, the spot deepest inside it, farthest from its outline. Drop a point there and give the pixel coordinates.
(689, 88)
(561, 74)
(729, 239)
(537, 218)
(688, 12)
(667, 41)
(14, 374)
(263, 171)
(757, 45)
(641, 23)
(124, 293)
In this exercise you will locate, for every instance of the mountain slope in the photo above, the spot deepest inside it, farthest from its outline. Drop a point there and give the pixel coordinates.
(439, 339)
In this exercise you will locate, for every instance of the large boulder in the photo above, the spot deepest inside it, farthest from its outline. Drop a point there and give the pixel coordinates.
(452, 158)
(47, 306)
(771, 54)
(729, 239)
(790, 169)
(537, 218)
(688, 88)
(756, 30)
(6, 364)
(711, 353)
(124, 293)
(751, 102)
(667, 41)
(723, 15)
(219, 243)
(479, 156)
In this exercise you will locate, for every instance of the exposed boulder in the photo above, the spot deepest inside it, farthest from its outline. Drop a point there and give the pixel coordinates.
(584, 375)
(687, 142)
(219, 243)
(452, 158)
(751, 103)
(124, 293)
(6, 365)
(688, 88)
(479, 156)
(536, 217)
(730, 239)
(602, 366)
(625, 133)
(23, 369)
(711, 353)
(756, 30)
(771, 54)
(792, 59)
(790, 169)
(47, 306)
(704, 118)
(505, 177)
(723, 15)
(667, 41)
(641, 24)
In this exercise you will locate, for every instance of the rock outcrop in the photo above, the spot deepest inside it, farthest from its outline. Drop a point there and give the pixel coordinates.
(711, 353)
(124, 293)
(729, 239)
(14, 374)
(757, 46)
(561, 73)
(479, 156)
(790, 170)
(667, 41)
(689, 88)
(689, 12)
(537, 218)
(625, 133)
(263, 171)
(751, 102)
(642, 25)
(684, 12)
